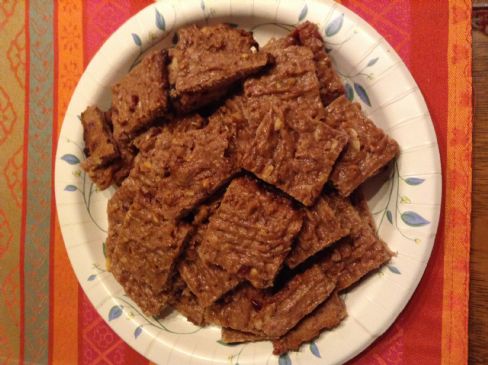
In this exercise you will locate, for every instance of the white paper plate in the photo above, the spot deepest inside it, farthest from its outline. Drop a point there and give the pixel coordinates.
(405, 201)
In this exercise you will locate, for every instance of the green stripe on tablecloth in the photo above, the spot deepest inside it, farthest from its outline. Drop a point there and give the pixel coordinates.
(38, 214)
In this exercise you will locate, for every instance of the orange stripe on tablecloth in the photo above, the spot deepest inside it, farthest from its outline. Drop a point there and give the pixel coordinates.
(69, 60)
(458, 186)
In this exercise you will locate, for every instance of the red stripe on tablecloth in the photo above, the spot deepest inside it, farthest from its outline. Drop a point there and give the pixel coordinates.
(104, 18)
(138, 5)
(429, 66)
(24, 183)
(53, 201)
(100, 20)
(416, 335)
(80, 291)
(390, 18)
(80, 331)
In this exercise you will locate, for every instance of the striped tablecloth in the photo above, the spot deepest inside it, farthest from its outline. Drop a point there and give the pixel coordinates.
(44, 47)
